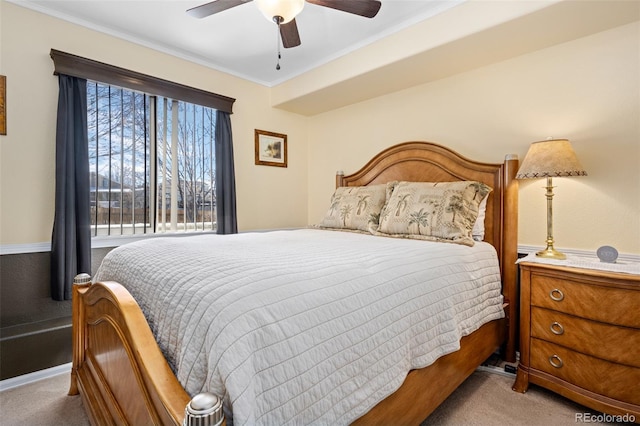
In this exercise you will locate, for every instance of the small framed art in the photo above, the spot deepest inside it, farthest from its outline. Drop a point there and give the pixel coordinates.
(271, 148)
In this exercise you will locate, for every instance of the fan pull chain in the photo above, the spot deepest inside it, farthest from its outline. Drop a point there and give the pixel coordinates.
(277, 20)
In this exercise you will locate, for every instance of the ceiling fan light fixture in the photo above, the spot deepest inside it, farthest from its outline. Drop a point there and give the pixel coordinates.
(287, 9)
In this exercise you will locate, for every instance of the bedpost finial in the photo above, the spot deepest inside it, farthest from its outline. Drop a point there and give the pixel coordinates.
(204, 409)
(81, 279)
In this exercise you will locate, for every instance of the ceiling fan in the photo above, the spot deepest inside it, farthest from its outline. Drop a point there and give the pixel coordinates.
(283, 12)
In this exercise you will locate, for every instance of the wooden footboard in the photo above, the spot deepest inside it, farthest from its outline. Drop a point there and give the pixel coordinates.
(118, 367)
(123, 377)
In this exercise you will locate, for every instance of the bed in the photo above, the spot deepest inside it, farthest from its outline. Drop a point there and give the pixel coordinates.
(120, 365)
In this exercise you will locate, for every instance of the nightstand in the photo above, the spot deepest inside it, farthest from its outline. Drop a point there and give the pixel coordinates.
(580, 336)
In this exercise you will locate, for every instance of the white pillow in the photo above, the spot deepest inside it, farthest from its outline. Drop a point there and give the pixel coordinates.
(478, 227)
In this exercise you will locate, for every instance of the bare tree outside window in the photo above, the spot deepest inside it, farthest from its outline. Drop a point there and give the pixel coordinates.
(152, 163)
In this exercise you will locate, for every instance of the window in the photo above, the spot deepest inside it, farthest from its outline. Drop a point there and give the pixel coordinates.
(153, 154)
(152, 162)
(140, 180)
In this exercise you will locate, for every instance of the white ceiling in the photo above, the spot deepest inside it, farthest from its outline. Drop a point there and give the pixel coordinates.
(241, 41)
(409, 42)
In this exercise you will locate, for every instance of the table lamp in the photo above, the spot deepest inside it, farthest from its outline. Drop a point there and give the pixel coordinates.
(550, 158)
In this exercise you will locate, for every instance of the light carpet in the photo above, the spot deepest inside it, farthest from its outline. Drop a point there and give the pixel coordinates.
(484, 399)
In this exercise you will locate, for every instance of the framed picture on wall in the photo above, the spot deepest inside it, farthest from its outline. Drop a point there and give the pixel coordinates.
(271, 148)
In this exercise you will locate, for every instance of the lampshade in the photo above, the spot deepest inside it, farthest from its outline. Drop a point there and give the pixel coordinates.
(287, 9)
(550, 158)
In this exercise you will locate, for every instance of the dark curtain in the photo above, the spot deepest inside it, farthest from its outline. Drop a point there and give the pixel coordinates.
(71, 238)
(225, 176)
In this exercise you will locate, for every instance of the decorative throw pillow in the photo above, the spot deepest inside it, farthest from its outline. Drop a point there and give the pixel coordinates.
(436, 211)
(355, 208)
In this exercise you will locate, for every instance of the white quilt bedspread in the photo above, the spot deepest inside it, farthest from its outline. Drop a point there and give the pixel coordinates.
(305, 326)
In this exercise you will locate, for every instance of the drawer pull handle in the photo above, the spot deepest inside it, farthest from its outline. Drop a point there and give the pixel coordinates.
(557, 328)
(556, 294)
(555, 361)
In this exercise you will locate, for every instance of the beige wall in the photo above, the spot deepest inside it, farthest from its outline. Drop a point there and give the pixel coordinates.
(586, 90)
(268, 197)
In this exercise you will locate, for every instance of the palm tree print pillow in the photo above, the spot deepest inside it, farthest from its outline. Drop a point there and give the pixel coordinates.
(437, 211)
(355, 208)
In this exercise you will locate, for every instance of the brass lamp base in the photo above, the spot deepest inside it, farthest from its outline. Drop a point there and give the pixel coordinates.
(551, 253)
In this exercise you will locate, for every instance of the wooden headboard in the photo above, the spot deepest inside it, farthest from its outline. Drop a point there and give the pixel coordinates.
(430, 162)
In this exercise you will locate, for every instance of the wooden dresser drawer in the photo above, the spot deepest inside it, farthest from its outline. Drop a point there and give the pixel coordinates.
(602, 377)
(609, 342)
(600, 303)
(580, 335)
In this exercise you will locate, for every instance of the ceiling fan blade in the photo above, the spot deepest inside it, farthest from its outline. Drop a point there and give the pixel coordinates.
(214, 7)
(289, 34)
(366, 8)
